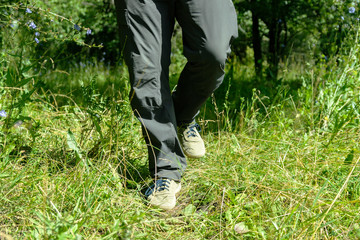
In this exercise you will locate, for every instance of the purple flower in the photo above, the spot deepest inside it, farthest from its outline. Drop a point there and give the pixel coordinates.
(36, 40)
(28, 10)
(351, 9)
(37, 34)
(3, 113)
(32, 25)
(77, 27)
(88, 32)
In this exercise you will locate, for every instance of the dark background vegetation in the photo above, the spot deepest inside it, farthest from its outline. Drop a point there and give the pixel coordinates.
(283, 48)
(275, 36)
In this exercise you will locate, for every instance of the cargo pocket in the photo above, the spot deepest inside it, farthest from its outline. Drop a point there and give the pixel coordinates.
(145, 84)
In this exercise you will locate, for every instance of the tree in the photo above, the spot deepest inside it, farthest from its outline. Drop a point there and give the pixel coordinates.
(276, 16)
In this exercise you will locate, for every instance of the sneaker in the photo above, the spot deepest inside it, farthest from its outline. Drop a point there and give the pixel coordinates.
(191, 141)
(162, 193)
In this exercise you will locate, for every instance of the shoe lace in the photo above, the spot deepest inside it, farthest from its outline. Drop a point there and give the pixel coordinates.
(192, 129)
(159, 185)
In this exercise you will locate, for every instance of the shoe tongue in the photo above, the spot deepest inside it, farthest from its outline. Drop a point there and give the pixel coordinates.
(162, 182)
(191, 133)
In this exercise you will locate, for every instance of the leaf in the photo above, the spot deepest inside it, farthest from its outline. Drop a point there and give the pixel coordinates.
(72, 144)
(97, 127)
(27, 68)
(228, 215)
(349, 158)
(189, 210)
(10, 79)
(25, 97)
(231, 196)
(24, 82)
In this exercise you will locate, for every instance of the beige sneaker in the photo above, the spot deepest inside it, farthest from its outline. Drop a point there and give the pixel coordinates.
(191, 141)
(162, 193)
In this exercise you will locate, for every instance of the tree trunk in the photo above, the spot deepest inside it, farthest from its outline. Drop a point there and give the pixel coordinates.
(256, 39)
(274, 40)
(273, 61)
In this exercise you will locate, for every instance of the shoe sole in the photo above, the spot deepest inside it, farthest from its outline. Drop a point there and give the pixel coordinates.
(194, 156)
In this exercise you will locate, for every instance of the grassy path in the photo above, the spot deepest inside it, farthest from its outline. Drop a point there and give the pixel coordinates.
(270, 183)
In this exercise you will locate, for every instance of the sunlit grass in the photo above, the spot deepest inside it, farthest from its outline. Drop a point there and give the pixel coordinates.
(276, 181)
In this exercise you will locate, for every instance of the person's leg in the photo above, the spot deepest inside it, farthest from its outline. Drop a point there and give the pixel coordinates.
(208, 28)
(146, 28)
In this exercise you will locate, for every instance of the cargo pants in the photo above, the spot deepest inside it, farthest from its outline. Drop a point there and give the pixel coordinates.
(146, 28)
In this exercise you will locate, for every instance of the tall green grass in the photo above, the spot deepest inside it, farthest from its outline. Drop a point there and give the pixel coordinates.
(284, 170)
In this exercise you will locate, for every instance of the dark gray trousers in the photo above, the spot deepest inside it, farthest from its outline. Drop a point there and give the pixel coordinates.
(146, 27)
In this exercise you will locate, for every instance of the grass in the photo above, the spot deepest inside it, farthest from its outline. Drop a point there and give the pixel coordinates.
(283, 166)
(282, 158)
(274, 179)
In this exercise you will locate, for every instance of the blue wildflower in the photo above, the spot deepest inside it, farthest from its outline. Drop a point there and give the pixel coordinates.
(36, 40)
(28, 10)
(351, 10)
(77, 27)
(3, 113)
(32, 25)
(342, 18)
(88, 32)
(37, 34)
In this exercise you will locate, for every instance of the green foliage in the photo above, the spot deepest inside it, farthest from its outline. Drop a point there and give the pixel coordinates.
(337, 20)
(329, 94)
(99, 17)
(277, 30)
(25, 63)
